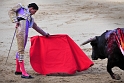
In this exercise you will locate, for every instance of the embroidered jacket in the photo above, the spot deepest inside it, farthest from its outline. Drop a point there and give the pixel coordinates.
(20, 11)
(23, 12)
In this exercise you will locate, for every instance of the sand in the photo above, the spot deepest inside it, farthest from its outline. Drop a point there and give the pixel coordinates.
(80, 19)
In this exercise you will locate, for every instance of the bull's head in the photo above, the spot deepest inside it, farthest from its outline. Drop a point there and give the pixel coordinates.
(94, 44)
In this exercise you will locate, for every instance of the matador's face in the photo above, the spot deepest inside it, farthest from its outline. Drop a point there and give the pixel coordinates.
(32, 11)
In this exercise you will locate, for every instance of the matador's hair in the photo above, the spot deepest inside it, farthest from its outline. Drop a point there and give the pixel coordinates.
(34, 5)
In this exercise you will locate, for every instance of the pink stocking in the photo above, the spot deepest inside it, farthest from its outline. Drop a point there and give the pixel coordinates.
(23, 68)
(17, 66)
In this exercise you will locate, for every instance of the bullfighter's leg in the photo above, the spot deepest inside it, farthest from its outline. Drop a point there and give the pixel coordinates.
(110, 65)
(18, 71)
(20, 35)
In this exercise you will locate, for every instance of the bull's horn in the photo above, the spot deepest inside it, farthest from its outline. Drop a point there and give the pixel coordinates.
(89, 40)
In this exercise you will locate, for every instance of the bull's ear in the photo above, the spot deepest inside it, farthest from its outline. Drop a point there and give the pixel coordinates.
(97, 37)
(94, 42)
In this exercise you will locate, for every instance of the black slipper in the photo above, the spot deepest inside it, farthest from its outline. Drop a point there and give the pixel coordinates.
(18, 73)
(27, 77)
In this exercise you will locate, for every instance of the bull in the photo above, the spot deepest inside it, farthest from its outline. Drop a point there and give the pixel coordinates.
(106, 46)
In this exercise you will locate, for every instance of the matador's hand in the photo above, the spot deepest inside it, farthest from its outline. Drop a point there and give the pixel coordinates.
(47, 35)
(17, 24)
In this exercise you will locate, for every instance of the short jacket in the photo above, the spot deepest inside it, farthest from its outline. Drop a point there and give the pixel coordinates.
(20, 11)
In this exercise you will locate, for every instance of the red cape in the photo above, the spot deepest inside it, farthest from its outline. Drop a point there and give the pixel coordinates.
(57, 54)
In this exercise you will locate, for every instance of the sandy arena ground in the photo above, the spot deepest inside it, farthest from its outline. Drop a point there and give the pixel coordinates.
(80, 19)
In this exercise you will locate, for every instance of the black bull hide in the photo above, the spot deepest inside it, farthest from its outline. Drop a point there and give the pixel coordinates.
(105, 46)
